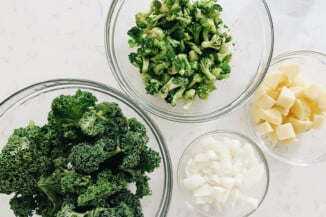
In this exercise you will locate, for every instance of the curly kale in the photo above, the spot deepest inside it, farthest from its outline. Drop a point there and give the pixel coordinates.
(79, 163)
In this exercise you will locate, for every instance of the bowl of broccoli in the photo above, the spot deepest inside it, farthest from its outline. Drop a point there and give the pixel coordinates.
(80, 148)
(189, 61)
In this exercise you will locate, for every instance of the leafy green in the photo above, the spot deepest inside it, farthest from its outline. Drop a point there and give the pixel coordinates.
(80, 163)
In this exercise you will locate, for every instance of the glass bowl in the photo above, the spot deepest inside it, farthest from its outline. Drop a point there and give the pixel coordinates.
(34, 102)
(259, 191)
(311, 146)
(252, 30)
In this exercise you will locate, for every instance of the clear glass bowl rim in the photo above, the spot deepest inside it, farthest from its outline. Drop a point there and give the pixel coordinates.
(242, 99)
(37, 89)
(238, 134)
(277, 59)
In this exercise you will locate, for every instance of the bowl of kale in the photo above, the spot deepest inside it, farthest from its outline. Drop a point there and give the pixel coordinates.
(78, 148)
(189, 60)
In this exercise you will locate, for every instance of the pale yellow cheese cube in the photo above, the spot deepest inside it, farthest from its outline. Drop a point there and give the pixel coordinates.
(285, 131)
(264, 128)
(298, 81)
(322, 101)
(256, 114)
(260, 91)
(273, 92)
(290, 70)
(300, 126)
(301, 109)
(289, 141)
(318, 121)
(265, 101)
(273, 79)
(312, 91)
(286, 98)
(272, 116)
(272, 138)
(282, 110)
(298, 91)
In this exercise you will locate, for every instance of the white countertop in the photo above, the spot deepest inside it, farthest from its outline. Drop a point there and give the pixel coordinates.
(44, 39)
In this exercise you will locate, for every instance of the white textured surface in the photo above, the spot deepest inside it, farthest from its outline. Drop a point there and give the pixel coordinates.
(45, 39)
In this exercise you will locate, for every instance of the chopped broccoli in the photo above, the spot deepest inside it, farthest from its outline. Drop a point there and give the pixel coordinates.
(189, 96)
(205, 67)
(180, 38)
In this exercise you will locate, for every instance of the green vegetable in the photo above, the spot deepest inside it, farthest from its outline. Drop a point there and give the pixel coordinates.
(178, 40)
(80, 163)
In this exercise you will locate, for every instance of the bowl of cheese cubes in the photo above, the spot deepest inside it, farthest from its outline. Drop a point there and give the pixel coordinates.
(286, 113)
(223, 173)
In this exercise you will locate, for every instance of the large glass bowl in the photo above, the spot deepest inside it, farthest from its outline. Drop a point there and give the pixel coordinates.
(33, 103)
(259, 191)
(311, 146)
(252, 30)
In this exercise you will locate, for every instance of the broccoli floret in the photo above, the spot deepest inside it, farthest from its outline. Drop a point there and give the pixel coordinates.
(205, 68)
(214, 43)
(152, 85)
(189, 96)
(197, 78)
(194, 47)
(174, 96)
(173, 83)
(204, 89)
(136, 35)
(136, 60)
(156, 32)
(195, 30)
(181, 65)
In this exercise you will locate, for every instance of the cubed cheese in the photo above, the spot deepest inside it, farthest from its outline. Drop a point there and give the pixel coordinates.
(285, 131)
(265, 101)
(256, 114)
(272, 138)
(312, 91)
(272, 115)
(322, 101)
(318, 121)
(273, 79)
(273, 92)
(300, 126)
(283, 111)
(264, 128)
(298, 91)
(286, 98)
(289, 141)
(301, 109)
(290, 70)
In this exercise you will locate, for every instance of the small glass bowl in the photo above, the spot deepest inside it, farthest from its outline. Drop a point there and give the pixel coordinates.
(252, 31)
(259, 192)
(34, 103)
(311, 146)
